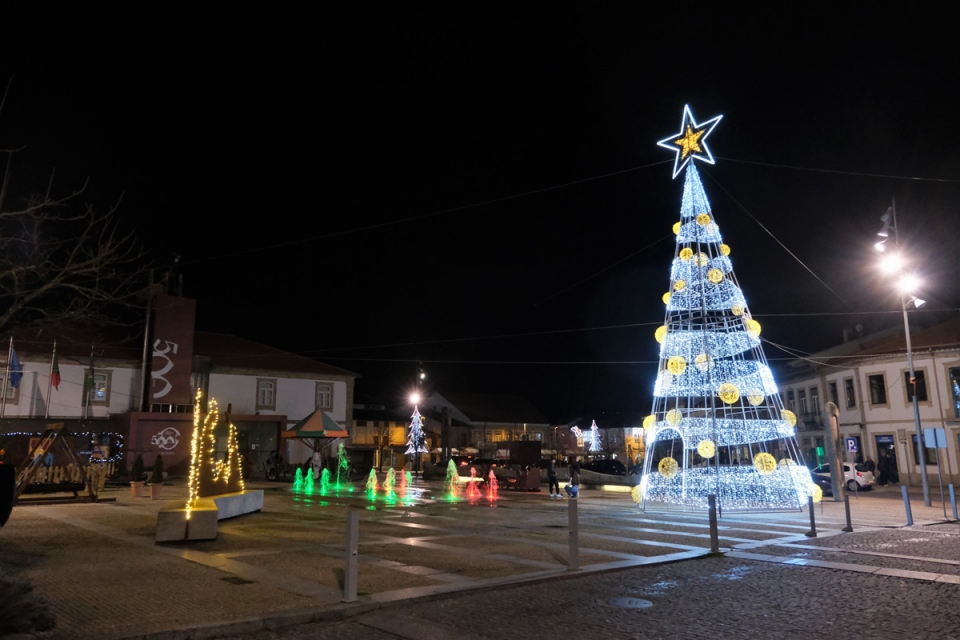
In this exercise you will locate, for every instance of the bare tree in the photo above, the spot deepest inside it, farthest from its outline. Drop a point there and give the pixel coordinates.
(382, 440)
(62, 263)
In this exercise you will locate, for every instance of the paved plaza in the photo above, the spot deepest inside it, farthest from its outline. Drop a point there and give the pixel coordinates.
(433, 567)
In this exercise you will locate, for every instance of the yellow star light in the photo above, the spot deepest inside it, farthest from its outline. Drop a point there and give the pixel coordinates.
(691, 142)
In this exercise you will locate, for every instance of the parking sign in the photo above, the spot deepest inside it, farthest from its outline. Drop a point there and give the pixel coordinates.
(852, 445)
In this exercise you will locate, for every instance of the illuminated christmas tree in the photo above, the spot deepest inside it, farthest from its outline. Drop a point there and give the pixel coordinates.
(416, 440)
(718, 425)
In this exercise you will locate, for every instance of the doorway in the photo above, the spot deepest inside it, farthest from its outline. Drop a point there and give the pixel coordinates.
(887, 461)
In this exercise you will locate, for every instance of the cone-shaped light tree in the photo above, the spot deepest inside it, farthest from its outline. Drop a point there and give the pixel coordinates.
(718, 425)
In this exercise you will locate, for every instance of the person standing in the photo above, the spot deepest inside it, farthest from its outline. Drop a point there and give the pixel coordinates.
(552, 480)
(316, 463)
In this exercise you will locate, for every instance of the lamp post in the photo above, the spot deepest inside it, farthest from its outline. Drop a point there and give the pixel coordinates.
(907, 284)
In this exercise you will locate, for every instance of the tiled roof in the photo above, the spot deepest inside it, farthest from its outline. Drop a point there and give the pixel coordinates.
(231, 352)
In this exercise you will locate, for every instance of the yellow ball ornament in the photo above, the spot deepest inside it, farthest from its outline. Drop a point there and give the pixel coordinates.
(724, 250)
(637, 494)
(677, 365)
(737, 310)
(789, 417)
(702, 259)
(666, 298)
(715, 276)
(703, 361)
(668, 468)
(788, 462)
(753, 328)
(755, 397)
(815, 492)
(728, 393)
(706, 448)
(676, 228)
(679, 285)
(674, 417)
(649, 422)
(660, 333)
(765, 463)
(686, 253)
(703, 219)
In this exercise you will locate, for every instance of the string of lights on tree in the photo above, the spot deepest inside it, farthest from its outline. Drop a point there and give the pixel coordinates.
(717, 425)
(593, 437)
(416, 440)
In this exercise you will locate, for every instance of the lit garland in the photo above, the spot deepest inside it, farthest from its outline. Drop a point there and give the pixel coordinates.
(415, 438)
(592, 436)
(206, 472)
(714, 389)
(116, 442)
(578, 434)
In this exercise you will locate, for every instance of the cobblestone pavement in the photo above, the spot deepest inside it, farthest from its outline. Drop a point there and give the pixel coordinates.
(98, 565)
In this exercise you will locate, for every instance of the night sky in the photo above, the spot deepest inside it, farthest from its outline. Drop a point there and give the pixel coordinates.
(483, 192)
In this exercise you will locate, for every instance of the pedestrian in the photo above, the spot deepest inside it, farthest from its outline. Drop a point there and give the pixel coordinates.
(316, 463)
(891, 468)
(573, 486)
(871, 465)
(552, 480)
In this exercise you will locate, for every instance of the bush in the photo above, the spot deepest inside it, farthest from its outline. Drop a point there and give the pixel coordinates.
(136, 474)
(157, 477)
(20, 610)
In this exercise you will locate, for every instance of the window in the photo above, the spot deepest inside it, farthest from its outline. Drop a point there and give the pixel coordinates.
(266, 393)
(790, 403)
(324, 395)
(848, 392)
(815, 399)
(878, 389)
(955, 389)
(802, 400)
(834, 397)
(921, 385)
(929, 455)
(98, 388)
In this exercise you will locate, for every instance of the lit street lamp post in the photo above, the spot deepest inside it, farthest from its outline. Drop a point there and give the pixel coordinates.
(907, 284)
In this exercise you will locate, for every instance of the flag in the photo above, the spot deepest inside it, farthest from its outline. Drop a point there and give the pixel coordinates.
(16, 369)
(55, 373)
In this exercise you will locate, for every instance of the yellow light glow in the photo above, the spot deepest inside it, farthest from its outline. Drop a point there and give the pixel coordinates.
(755, 397)
(724, 250)
(679, 285)
(686, 253)
(753, 328)
(674, 417)
(787, 462)
(728, 393)
(816, 492)
(706, 448)
(702, 259)
(666, 298)
(660, 333)
(789, 416)
(676, 228)
(636, 494)
(715, 276)
(703, 219)
(690, 142)
(649, 422)
(737, 310)
(677, 365)
(668, 467)
(765, 463)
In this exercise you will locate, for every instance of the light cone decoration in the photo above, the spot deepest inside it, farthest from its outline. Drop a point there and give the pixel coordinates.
(718, 425)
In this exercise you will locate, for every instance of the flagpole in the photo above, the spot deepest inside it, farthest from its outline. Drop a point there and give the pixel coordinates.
(6, 379)
(53, 360)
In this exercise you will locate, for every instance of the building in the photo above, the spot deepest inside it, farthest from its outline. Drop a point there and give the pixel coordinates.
(129, 405)
(868, 379)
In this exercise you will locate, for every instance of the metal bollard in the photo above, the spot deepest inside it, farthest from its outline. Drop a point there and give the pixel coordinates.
(813, 522)
(573, 523)
(953, 502)
(906, 504)
(714, 536)
(351, 552)
(846, 507)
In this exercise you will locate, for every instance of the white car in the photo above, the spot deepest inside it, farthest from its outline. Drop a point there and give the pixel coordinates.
(855, 477)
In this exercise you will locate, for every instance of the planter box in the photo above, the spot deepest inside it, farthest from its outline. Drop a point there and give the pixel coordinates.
(174, 525)
(136, 489)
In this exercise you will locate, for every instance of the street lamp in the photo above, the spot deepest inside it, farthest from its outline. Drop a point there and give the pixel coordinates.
(908, 283)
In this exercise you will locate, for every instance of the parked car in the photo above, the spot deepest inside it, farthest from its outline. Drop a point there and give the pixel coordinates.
(855, 477)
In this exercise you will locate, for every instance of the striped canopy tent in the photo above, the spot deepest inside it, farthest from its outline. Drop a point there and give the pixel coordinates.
(318, 430)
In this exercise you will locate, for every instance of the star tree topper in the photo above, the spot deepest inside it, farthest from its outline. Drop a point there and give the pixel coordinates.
(691, 142)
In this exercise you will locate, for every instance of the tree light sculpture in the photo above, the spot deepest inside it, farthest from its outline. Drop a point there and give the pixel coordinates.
(593, 437)
(718, 425)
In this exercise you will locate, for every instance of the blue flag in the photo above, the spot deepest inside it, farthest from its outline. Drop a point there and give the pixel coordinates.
(16, 369)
